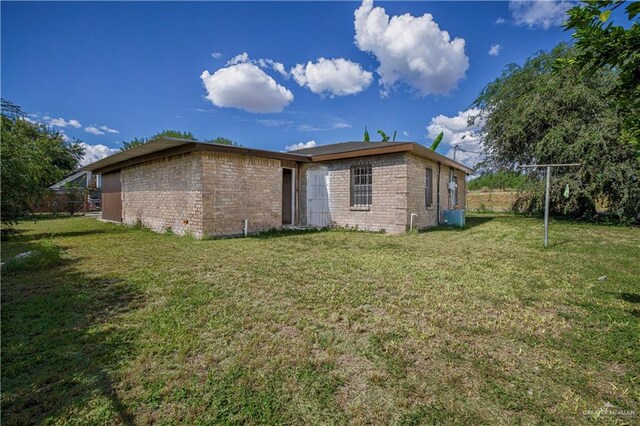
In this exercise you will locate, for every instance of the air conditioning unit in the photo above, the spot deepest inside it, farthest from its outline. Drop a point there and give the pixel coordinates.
(454, 217)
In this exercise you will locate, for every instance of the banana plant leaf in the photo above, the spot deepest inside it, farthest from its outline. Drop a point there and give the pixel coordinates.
(436, 141)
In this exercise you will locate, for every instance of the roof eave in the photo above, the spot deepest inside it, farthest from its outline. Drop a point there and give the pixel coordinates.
(400, 147)
(429, 154)
(175, 146)
(410, 147)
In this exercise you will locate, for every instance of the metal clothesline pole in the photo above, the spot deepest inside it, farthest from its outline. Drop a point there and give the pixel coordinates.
(546, 207)
(546, 192)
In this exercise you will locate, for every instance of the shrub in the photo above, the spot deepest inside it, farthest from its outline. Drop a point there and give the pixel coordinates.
(498, 180)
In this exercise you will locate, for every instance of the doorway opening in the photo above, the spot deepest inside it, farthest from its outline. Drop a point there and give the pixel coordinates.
(288, 194)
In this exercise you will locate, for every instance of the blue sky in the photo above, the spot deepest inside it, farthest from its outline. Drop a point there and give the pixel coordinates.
(94, 69)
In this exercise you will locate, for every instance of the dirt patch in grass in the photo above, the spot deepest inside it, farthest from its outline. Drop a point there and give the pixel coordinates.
(491, 200)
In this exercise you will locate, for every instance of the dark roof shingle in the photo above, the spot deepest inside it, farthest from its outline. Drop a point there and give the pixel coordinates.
(336, 148)
(168, 146)
(356, 149)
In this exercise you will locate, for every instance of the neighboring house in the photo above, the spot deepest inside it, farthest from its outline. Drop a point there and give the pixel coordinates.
(208, 189)
(57, 199)
(80, 177)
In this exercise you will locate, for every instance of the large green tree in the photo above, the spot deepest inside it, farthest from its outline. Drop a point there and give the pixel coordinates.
(223, 141)
(534, 115)
(602, 44)
(165, 133)
(33, 157)
(173, 134)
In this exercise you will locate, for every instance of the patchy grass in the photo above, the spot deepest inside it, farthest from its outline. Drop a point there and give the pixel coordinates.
(481, 326)
(45, 255)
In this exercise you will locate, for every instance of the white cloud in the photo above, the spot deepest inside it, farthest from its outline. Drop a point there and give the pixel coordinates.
(300, 145)
(495, 50)
(108, 130)
(539, 13)
(279, 68)
(413, 50)
(216, 55)
(275, 122)
(93, 130)
(270, 63)
(457, 132)
(500, 20)
(332, 124)
(339, 124)
(58, 122)
(333, 77)
(247, 87)
(94, 153)
(29, 120)
(243, 58)
(404, 132)
(239, 59)
(61, 122)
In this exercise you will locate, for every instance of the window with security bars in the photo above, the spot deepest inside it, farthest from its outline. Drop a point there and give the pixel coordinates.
(361, 186)
(428, 188)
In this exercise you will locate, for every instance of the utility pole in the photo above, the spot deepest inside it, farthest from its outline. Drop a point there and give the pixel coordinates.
(546, 192)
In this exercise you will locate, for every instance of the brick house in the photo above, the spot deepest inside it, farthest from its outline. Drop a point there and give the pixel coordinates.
(208, 189)
(84, 195)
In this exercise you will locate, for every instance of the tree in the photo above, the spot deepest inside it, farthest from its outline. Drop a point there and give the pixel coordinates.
(165, 133)
(223, 141)
(174, 134)
(133, 143)
(76, 195)
(366, 137)
(534, 115)
(601, 45)
(33, 157)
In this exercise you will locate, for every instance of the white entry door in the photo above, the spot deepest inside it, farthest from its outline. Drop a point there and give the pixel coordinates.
(318, 197)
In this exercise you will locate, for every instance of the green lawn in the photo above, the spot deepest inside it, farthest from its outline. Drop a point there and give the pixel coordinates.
(473, 326)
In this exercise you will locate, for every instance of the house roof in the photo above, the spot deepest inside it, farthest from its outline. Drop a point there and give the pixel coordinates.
(361, 149)
(340, 147)
(70, 177)
(137, 151)
(167, 146)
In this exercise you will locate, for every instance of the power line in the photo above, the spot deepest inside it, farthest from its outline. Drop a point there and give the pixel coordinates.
(470, 152)
(457, 148)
